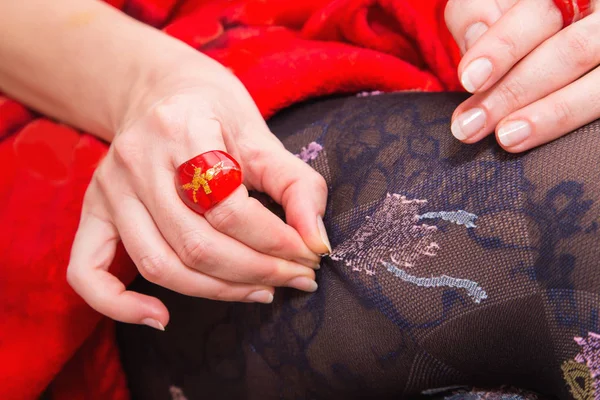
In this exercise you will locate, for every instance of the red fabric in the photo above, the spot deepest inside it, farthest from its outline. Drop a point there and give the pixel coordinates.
(101, 380)
(283, 51)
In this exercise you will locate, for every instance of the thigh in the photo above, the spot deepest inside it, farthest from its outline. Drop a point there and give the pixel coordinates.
(452, 265)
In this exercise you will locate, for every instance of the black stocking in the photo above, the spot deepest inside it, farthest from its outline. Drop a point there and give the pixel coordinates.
(452, 265)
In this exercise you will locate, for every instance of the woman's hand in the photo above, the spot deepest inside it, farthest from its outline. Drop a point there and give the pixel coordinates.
(532, 80)
(237, 251)
(167, 103)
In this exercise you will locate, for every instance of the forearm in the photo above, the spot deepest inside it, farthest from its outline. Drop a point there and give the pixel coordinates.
(82, 62)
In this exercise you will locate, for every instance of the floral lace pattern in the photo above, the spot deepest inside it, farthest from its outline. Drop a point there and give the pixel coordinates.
(583, 373)
(395, 239)
(485, 283)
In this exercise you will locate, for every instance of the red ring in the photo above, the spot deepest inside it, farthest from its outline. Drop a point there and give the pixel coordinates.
(566, 9)
(573, 10)
(583, 9)
(207, 179)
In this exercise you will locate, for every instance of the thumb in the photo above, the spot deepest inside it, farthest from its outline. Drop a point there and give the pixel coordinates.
(296, 186)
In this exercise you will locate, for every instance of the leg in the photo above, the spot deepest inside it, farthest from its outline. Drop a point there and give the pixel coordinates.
(452, 265)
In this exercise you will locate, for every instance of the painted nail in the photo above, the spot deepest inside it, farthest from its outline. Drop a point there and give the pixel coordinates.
(260, 296)
(309, 263)
(468, 123)
(514, 132)
(476, 74)
(473, 33)
(303, 283)
(323, 233)
(151, 322)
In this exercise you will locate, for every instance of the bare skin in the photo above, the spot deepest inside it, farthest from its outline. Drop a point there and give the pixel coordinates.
(532, 80)
(160, 103)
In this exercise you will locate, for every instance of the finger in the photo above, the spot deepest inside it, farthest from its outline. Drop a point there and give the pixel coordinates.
(248, 221)
(515, 35)
(557, 62)
(297, 187)
(468, 20)
(158, 263)
(91, 255)
(553, 116)
(205, 249)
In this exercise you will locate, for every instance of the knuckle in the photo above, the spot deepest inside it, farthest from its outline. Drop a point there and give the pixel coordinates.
(194, 249)
(126, 151)
(225, 217)
(166, 120)
(102, 178)
(153, 267)
(320, 183)
(212, 126)
(511, 94)
(595, 100)
(509, 46)
(270, 274)
(564, 113)
(279, 244)
(73, 276)
(256, 158)
(578, 50)
(221, 293)
(172, 118)
(255, 153)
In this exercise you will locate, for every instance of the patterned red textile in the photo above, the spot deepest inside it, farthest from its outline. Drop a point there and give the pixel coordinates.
(283, 51)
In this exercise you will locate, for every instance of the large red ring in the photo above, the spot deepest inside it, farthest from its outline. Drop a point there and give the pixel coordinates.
(573, 10)
(206, 179)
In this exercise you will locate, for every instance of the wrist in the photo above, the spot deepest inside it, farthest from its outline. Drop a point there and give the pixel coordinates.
(97, 67)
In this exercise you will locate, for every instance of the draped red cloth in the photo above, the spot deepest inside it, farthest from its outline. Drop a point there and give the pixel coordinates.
(283, 51)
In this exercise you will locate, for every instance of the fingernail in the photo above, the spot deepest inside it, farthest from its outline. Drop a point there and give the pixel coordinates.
(151, 322)
(473, 33)
(260, 296)
(468, 123)
(308, 263)
(514, 132)
(476, 73)
(303, 283)
(323, 233)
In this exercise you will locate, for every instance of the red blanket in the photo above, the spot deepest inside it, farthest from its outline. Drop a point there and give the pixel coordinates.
(283, 51)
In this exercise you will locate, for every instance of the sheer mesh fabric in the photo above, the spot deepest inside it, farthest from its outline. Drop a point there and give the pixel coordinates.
(453, 265)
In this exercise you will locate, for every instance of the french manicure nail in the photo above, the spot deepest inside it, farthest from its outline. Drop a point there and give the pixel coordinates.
(314, 265)
(309, 263)
(303, 283)
(468, 123)
(473, 33)
(323, 233)
(514, 132)
(260, 296)
(476, 74)
(151, 322)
